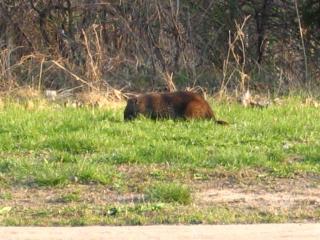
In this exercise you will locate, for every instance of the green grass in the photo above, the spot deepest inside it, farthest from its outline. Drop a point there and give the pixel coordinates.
(67, 139)
(169, 193)
(53, 147)
(70, 197)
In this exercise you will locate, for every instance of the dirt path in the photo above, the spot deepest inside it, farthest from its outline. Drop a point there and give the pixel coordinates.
(175, 232)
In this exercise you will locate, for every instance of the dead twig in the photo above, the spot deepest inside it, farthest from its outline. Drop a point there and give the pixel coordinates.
(74, 75)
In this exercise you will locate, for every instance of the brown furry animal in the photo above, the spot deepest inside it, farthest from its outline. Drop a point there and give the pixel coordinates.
(184, 105)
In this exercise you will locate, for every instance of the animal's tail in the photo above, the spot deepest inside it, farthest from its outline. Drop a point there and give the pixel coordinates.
(221, 122)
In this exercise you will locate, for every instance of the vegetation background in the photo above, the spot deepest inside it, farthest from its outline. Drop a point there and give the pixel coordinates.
(264, 45)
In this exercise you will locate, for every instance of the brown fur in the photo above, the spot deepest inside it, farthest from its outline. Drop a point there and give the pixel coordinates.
(184, 105)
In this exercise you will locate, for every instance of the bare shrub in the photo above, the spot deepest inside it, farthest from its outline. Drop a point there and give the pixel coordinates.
(140, 45)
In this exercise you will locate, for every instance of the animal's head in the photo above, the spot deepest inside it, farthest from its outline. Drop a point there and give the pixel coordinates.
(131, 111)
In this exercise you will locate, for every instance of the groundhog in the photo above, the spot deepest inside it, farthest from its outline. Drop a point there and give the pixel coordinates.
(176, 105)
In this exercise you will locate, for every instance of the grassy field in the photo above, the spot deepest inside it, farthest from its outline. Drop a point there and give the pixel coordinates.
(78, 166)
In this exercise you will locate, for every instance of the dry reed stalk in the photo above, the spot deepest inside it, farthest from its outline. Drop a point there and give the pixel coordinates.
(40, 74)
(92, 62)
(240, 66)
(302, 43)
(243, 75)
(168, 78)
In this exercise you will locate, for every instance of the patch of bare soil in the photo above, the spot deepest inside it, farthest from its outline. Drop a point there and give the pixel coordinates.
(69, 195)
(284, 194)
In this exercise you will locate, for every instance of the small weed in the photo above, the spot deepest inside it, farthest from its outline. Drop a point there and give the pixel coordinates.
(70, 197)
(169, 193)
(5, 196)
(5, 210)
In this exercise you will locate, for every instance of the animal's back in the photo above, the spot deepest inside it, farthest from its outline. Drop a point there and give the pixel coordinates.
(192, 105)
(174, 105)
